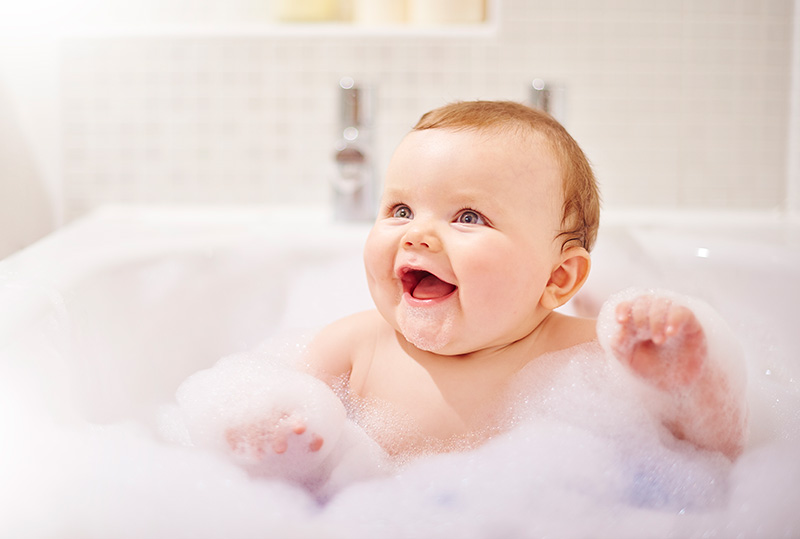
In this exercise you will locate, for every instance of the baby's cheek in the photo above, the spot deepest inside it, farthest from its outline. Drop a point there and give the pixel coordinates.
(503, 303)
(379, 265)
(371, 263)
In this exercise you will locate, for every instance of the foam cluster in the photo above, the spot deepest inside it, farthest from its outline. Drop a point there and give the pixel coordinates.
(723, 346)
(274, 420)
(581, 458)
(250, 392)
(696, 376)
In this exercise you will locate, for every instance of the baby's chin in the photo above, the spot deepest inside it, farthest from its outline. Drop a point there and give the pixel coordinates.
(426, 330)
(425, 340)
(425, 343)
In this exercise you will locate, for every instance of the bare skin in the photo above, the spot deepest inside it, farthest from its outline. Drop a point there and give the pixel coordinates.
(664, 344)
(446, 400)
(257, 440)
(466, 267)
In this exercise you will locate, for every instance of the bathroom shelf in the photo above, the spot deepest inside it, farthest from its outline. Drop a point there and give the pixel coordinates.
(268, 28)
(287, 30)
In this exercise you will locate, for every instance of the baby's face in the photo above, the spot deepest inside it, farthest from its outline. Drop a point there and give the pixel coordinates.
(465, 240)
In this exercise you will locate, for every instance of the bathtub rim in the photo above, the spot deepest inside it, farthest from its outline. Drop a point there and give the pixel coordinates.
(227, 220)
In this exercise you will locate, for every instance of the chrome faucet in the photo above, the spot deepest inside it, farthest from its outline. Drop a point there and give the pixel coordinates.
(549, 97)
(354, 189)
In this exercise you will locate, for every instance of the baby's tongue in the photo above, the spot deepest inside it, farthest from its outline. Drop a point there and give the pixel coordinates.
(431, 287)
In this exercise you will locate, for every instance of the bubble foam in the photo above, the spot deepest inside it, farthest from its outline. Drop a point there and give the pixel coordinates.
(233, 409)
(582, 460)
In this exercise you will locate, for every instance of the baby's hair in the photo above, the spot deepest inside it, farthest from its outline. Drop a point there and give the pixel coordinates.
(581, 211)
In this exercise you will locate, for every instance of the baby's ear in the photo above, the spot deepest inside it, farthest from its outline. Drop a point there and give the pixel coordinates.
(567, 278)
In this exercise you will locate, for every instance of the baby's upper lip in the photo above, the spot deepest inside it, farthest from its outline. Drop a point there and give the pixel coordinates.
(405, 270)
(410, 277)
(411, 274)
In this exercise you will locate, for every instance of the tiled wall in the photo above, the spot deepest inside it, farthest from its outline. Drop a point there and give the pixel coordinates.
(677, 103)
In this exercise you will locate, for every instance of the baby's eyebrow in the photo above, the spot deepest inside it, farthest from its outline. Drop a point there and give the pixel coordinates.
(472, 198)
(395, 193)
(476, 200)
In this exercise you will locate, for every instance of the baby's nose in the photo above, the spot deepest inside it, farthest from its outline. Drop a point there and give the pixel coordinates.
(422, 237)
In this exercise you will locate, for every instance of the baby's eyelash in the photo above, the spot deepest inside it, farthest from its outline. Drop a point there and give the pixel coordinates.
(389, 207)
(392, 210)
(481, 218)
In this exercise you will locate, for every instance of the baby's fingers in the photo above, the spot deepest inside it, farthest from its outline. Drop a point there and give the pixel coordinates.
(648, 316)
(280, 444)
(644, 318)
(316, 443)
(681, 319)
(658, 319)
(622, 312)
(298, 424)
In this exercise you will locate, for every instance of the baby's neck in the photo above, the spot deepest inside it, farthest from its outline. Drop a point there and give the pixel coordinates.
(516, 351)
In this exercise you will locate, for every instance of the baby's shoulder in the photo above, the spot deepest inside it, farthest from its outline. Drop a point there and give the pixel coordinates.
(353, 326)
(567, 331)
(334, 349)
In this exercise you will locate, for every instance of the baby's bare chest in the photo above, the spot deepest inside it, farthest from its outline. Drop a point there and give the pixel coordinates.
(411, 406)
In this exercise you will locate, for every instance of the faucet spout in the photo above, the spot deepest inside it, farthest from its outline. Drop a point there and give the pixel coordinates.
(354, 178)
(549, 97)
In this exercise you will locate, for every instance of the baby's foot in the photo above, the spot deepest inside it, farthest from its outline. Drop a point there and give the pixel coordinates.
(262, 438)
(660, 341)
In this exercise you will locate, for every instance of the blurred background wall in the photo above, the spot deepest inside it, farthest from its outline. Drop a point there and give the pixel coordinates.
(685, 104)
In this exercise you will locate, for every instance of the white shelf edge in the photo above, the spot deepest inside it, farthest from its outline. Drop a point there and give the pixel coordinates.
(268, 28)
(285, 30)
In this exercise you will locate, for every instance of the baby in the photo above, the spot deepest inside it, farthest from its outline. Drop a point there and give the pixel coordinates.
(484, 229)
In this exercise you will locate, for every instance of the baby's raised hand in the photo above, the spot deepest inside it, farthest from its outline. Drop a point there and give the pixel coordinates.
(271, 435)
(269, 418)
(660, 341)
(699, 367)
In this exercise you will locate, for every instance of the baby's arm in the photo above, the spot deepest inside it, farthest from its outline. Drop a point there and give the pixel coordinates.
(326, 359)
(663, 342)
(278, 417)
(270, 434)
(266, 415)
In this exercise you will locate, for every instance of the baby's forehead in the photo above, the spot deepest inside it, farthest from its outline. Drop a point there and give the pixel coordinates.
(523, 142)
(493, 156)
(525, 139)
(506, 145)
(518, 134)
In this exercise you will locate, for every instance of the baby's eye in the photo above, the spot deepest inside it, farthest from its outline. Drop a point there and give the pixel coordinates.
(401, 211)
(470, 217)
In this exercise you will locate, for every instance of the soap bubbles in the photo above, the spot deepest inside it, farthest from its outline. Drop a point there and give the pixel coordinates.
(580, 459)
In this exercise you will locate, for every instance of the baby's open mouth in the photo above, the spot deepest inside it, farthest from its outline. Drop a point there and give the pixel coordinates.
(425, 285)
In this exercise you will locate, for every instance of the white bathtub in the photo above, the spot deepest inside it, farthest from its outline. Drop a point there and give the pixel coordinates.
(101, 321)
(135, 301)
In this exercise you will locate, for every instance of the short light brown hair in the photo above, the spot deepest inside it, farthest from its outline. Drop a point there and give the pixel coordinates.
(581, 210)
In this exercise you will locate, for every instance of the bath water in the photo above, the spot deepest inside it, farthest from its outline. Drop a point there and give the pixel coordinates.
(581, 460)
